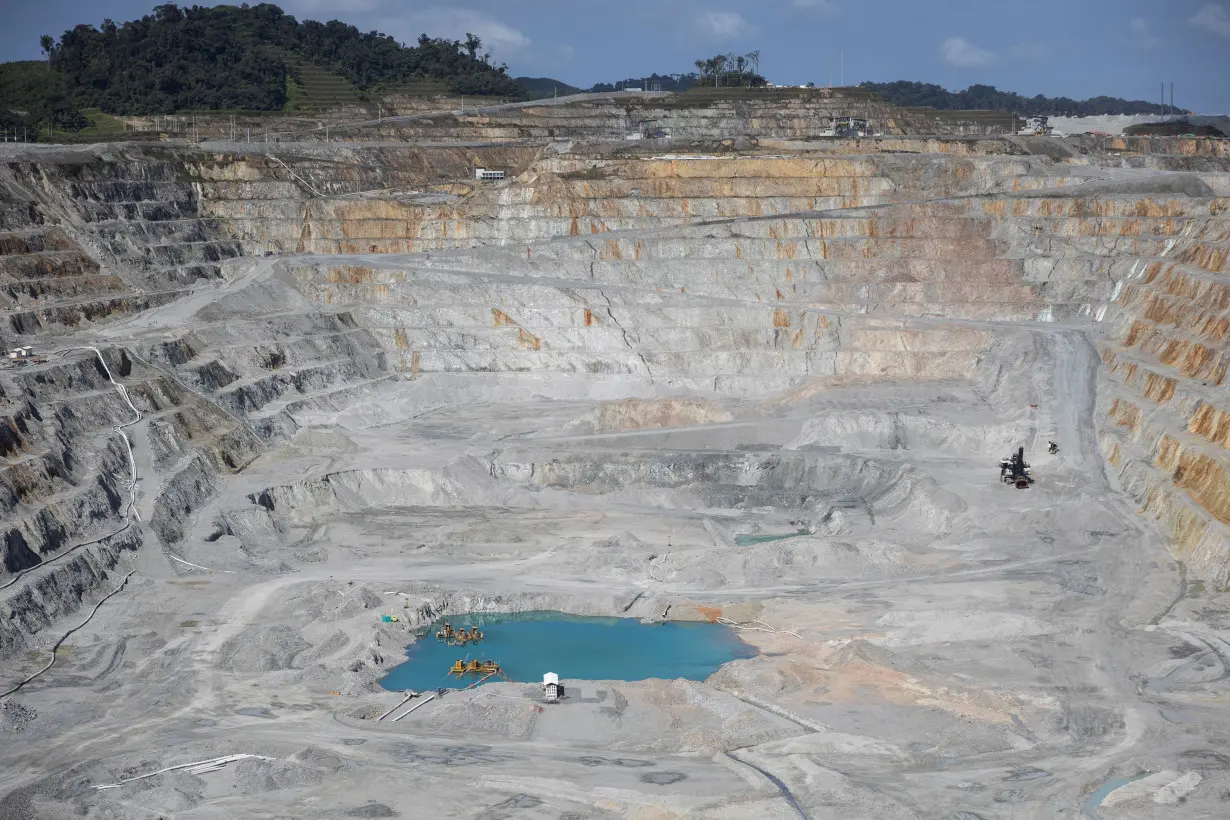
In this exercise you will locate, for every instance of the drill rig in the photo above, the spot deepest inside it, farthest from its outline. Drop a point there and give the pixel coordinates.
(1015, 471)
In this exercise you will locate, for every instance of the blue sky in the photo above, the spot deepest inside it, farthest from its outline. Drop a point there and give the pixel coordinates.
(1075, 48)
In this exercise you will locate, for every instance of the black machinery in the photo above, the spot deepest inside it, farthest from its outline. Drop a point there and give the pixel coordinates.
(1015, 471)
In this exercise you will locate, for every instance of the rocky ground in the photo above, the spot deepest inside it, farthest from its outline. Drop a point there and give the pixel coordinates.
(439, 436)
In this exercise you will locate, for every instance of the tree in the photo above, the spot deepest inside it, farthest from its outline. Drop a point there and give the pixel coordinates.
(168, 13)
(729, 70)
(473, 44)
(210, 57)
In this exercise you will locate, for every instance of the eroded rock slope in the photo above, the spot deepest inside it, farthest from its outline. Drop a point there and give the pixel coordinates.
(768, 382)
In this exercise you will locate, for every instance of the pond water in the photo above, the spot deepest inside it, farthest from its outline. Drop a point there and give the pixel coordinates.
(1103, 791)
(752, 540)
(528, 644)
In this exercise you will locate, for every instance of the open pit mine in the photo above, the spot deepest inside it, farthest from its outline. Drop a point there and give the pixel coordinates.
(698, 439)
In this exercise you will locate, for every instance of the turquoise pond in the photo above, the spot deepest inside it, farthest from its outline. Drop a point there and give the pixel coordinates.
(1095, 799)
(528, 644)
(753, 540)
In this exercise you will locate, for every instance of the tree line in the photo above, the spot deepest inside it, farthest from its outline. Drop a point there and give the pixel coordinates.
(720, 71)
(236, 57)
(988, 97)
(33, 95)
(665, 82)
(731, 70)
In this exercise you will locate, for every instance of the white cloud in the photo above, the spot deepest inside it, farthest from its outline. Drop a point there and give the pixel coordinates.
(1141, 26)
(1213, 17)
(498, 37)
(723, 25)
(544, 59)
(823, 6)
(1029, 51)
(961, 53)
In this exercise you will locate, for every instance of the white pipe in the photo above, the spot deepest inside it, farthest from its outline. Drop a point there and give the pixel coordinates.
(189, 563)
(203, 765)
(296, 176)
(426, 700)
(398, 706)
(54, 648)
(132, 510)
(763, 627)
(196, 566)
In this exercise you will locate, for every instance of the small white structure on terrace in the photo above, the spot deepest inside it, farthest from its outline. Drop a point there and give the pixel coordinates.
(487, 174)
(552, 691)
(19, 353)
(848, 127)
(1039, 127)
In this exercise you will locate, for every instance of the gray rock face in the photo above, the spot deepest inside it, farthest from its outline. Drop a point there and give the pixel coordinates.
(758, 377)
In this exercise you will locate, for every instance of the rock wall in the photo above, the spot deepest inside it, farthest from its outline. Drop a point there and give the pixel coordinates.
(793, 297)
(589, 273)
(1140, 265)
(89, 238)
(704, 115)
(1168, 420)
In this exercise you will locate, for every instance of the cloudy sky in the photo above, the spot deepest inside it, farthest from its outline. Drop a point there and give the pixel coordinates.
(1075, 48)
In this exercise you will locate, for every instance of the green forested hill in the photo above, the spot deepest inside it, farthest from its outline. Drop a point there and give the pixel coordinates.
(988, 97)
(228, 57)
(31, 93)
(538, 88)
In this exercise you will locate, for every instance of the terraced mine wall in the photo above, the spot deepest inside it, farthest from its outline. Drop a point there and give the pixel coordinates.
(1168, 419)
(567, 196)
(711, 115)
(715, 114)
(95, 235)
(623, 275)
(700, 114)
(259, 126)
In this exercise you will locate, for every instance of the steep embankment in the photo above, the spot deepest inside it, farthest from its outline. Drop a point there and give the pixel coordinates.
(613, 276)
(1168, 428)
(741, 307)
(87, 240)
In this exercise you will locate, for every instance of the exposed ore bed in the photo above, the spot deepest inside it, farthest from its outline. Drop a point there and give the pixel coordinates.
(764, 382)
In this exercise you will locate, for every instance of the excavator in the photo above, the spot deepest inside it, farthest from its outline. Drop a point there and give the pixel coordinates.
(1015, 471)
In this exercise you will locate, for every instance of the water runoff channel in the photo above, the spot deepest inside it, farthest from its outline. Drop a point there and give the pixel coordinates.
(527, 645)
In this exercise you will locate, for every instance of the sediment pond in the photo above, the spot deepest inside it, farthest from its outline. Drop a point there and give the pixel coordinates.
(527, 645)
